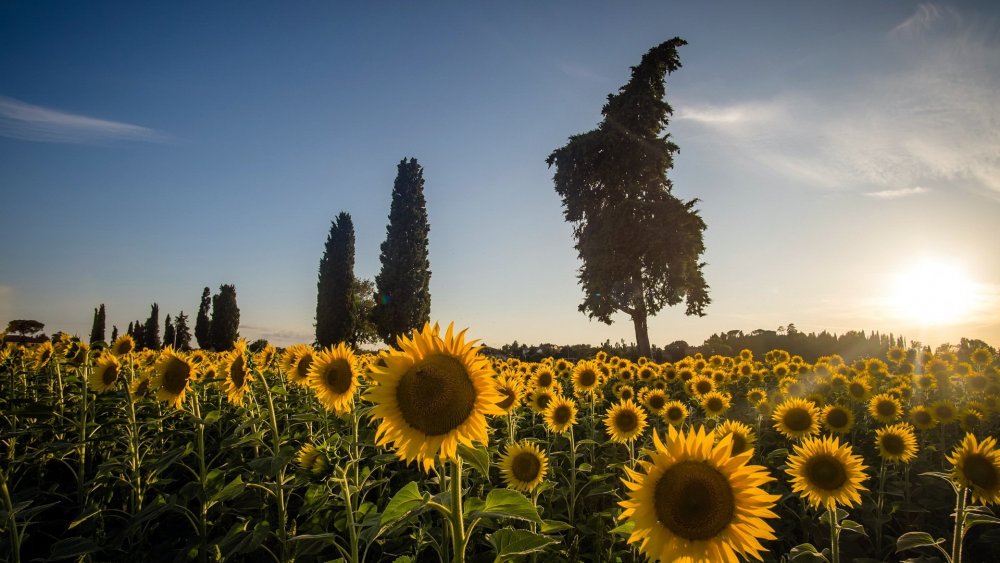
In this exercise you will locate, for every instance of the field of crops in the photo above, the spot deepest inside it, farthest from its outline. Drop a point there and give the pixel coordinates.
(431, 451)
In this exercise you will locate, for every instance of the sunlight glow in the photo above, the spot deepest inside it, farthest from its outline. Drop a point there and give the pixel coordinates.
(934, 292)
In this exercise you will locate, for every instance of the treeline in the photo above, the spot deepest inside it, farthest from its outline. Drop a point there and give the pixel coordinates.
(810, 346)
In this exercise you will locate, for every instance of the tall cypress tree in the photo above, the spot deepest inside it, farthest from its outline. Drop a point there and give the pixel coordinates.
(182, 333)
(97, 330)
(336, 310)
(152, 328)
(202, 323)
(168, 332)
(139, 335)
(225, 319)
(114, 333)
(403, 298)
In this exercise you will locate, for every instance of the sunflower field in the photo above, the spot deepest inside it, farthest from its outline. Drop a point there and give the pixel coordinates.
(432, 451)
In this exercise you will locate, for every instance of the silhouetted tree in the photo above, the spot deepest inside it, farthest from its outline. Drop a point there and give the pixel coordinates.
(182, 334)
(152, 328)
(403, 298)
(639, 244)
(168, 332)
(202, 323)
(225, 319)
(97, 329)
(336, 310)
(139, 335)
(114, 332)
(25, 327)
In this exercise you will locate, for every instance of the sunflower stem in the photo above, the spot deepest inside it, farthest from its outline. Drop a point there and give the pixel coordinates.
(879, 507)
(202, 478)
(572, 476)
(958, 534)
(457, 518)
(279, 490)
(834, 534)
(81, 469)
(8, 505)
(351, 528)
(133, 446)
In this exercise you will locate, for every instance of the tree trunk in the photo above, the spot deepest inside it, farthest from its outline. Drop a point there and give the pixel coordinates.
(641, 333)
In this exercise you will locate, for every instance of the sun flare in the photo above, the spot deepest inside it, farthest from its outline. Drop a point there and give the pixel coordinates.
(933, 292)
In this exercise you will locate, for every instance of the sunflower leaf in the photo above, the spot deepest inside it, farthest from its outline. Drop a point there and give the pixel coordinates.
(973, 519)
(854, 527)
(507, 503)
(805, 553)
(478, 457)
(625, 529)
(913, 540)
(509, 543)
(405, 503)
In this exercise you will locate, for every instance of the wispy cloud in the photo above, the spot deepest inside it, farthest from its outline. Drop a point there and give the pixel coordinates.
(274, 335)
(21, 120)
(928, 120)
(896, 194)
(926, 16)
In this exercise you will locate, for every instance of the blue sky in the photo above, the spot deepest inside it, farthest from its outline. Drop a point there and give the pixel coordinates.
(148, 151)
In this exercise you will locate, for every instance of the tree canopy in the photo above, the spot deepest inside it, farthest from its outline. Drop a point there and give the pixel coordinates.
(225, 319)
(638, 243)
(336, 310)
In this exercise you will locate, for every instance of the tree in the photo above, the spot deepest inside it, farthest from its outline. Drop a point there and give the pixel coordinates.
(364, 302)
(97, 329)
(25, 327)
(403, 298)
(639, 244)
(202, 323)
(139, 335)
(225, 319)
(336, 310)
(114, 333)
(169, 334)
(182, 334)
(152, 328)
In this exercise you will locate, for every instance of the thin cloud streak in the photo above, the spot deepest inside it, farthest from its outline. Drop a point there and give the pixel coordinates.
(896, 194)
(927, 15)
(24, 121)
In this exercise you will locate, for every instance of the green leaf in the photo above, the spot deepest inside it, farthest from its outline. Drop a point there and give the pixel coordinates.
(973, 519)
(780, 452)
(854, 527)
(913, 540)
(624, 529)
(232, 489)
(405, 503)
(507, 503)
(478, 457)
(70, 548)
(403, 559)
(549, 526)
(212, 417)
(509, 543)
(805, 553)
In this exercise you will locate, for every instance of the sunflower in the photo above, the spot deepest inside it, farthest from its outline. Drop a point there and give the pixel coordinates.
(523, 466)
(977, 466)
(432, 394)
(756, 395)
(122, 345)
(540, 400)
(796, 418)
(922, 418)
(544, 378)
(896, 442)
(624, 390)
(171, 377)
(296, 362)
(586, 377)
(625, 421)
(944, 411)
(838, 419)
(511, 389)
(826, 473)
(970, 419)
(264, 358)
(43, 354)
(310, 458)
(859, 389)
(699, 385)
(106, 374)
(560, 414)
(694, 501)
(655, 401)
(236, 372)
(333, 375)
(139, 387)
(675, 413)
(742, 436)
(714, 404)
(982, 357)
(884, 408)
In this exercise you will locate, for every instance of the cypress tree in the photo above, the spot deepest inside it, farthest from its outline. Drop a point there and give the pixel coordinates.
(403, 298)
(182, 334)
(97, 330)
(139, 334)
(336, 310)
(114, 332)
(225, 319)
(152, 328)
(168, 332)
(202, 324)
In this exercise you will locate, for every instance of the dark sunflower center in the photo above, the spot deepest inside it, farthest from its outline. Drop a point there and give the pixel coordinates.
(123, 347)
(981, 472)
(625, 393)
(302, 367)
(944, 412)
(238, 372)
(508, 398)
(588, 378)
(175, 375)
(922, 417)
(703, 387)
(857, 390)
(543, 400)
(110, 375)
(886, 408)
(656, 402)
(714, 404)
(798, 419)
(825, 472)
(893, 444)
(836, 418)
(337, 376)
(675, 413)
(435, 395)
(739, 443)
(544, 379)
(626, 420)
(525, 467)
(562, 414)
(694, 501)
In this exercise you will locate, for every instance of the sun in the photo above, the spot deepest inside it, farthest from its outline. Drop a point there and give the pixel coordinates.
(933, 292)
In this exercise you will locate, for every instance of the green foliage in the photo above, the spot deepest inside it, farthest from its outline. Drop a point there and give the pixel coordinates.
(203, 323)
(639, 244)
(403, 299)
(336, 308)
(169, 332)
(152, 329)
(25, 327)
(97, 330)
(225, 324)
